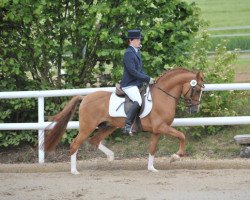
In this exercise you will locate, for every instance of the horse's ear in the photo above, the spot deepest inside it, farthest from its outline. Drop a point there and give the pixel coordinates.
(200, 76)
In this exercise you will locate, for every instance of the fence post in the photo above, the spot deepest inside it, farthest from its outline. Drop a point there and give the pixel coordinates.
(41, 131)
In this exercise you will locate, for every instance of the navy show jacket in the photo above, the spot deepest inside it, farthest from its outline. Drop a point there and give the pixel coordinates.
(133, 73)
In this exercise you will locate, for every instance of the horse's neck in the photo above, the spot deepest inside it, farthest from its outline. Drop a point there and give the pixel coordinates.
(165, 98)
(174, 82)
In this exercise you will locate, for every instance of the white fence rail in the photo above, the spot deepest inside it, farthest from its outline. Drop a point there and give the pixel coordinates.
(231, 35)
(229, 28)
(41, 125)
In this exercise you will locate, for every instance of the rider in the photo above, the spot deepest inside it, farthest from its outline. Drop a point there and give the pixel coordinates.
(133, 76)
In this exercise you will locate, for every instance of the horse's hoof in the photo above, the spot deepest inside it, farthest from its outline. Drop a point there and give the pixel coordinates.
(111, 157)
(110, 154)
(174, 158)
(75, 172)
(152, 169)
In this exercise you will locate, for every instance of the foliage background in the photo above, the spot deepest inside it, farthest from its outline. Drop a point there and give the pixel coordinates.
(54, 44)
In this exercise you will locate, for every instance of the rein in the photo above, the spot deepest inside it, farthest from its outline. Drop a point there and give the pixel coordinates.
(177, 99)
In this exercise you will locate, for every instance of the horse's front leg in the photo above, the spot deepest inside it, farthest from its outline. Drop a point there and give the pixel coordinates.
(168, 130)
(152, 150)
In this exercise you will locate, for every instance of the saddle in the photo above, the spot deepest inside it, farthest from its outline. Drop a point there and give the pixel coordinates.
(128, 103)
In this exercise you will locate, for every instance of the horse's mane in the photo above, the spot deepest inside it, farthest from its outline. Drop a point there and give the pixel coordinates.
(170, 72)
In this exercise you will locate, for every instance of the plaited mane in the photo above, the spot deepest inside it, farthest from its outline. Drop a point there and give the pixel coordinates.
(170, 71)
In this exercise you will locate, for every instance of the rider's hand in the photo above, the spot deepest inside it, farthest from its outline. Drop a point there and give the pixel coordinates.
(152, 81)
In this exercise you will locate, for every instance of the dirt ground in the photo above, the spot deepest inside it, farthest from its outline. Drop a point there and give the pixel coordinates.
(127, 179)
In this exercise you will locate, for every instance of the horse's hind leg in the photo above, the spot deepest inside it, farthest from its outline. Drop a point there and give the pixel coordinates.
(95, 140)
(99, 136)
(93, 109)
(77, 142)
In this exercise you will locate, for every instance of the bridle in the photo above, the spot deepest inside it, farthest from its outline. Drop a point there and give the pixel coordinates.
(190, 102)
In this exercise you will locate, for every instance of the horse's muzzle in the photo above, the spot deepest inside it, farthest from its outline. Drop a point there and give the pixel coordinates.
(193, 109)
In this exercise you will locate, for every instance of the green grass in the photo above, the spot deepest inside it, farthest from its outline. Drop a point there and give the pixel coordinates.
(225, 13)
(241, 43)
(229, 13)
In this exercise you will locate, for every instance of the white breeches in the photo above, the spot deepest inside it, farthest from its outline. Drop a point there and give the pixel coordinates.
(133, 93)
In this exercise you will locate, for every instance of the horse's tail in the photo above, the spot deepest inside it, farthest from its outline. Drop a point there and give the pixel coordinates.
(55, 134)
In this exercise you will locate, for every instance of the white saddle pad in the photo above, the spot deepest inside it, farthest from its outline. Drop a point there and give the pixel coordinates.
(116, 105)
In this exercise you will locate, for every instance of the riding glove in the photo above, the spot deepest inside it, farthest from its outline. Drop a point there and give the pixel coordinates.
(152, 81)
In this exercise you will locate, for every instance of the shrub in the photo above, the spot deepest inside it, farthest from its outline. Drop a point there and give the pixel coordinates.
(217, 69)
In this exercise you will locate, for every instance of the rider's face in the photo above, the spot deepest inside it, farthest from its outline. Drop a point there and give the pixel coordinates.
(135, 43)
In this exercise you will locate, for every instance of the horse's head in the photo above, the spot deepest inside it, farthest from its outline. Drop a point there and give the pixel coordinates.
(192, 91)
(182, 82)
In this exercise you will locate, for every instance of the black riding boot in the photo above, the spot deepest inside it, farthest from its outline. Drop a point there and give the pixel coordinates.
(131, 117)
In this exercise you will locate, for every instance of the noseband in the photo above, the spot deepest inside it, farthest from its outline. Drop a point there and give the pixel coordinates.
(189, 101)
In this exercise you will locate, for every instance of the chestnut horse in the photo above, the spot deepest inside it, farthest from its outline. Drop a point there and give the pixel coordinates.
(94, 112)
